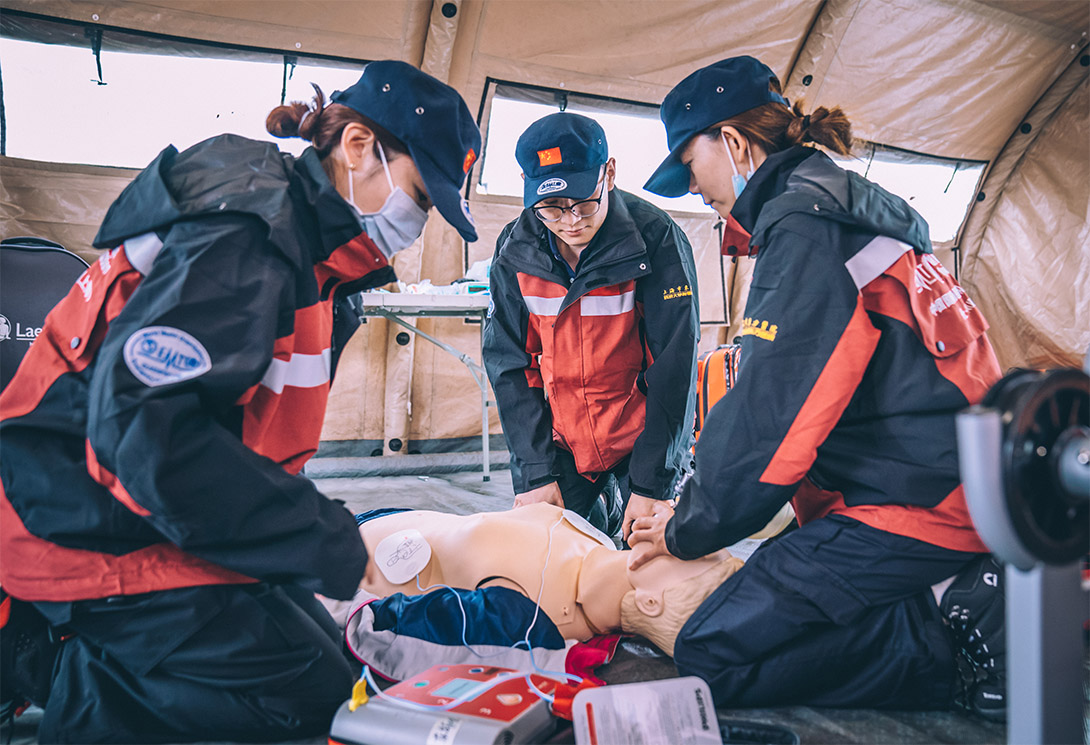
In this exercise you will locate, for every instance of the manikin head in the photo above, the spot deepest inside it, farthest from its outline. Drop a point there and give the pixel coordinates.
(655, 600)
(666, 591)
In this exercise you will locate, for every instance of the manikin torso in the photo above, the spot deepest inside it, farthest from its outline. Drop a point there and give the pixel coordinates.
(584, 580)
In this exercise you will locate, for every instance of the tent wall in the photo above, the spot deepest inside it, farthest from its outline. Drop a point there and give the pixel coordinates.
(59, 201)
(1031, 271)
(951, 78)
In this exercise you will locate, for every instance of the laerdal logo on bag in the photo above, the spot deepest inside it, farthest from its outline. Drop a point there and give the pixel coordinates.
(22, 333)
(551, 185)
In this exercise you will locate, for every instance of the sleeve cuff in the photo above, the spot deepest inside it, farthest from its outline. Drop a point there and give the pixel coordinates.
(645, 492)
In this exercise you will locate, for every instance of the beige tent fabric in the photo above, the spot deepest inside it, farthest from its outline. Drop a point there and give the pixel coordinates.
(446, 398)
(360, 29)
(1031, 275)
(439, 46)
(945, 77)
(64, 203)
(1033, 123)
(710, 265)
(630, 49)
(491, 214)
(358, 396)
(397, 409)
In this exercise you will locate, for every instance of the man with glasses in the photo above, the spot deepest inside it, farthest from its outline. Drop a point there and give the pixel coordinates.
(590, 341)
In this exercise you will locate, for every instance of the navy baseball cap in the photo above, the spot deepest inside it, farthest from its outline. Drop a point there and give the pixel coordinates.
(709, 95)
(562, 156)
(434, 123)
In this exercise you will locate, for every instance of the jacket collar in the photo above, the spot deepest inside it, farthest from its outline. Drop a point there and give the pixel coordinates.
(767, 182)
(804, 179)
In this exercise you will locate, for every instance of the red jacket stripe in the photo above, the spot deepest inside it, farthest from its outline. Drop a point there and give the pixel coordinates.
(826, 401)
(52, 573)
(109, 480)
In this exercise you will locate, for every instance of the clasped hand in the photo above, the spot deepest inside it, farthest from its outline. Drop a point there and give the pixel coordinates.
(650, 529)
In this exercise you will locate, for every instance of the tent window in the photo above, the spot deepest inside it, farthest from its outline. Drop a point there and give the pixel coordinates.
(634, 131)
(940, 189)
(153, 91)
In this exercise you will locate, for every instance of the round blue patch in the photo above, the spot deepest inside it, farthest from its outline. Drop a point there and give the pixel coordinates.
(161, 355)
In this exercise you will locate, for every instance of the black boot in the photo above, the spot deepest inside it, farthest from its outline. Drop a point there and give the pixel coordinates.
(974, 608)
(28, 652)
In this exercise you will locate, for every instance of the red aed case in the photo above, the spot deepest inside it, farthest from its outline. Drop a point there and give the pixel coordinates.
(508, 712)
(716, 373)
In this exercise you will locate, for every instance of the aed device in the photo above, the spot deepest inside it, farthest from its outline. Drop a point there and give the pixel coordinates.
(508, 712)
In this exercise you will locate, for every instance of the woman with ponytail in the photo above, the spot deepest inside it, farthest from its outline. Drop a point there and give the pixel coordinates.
(858, 349)
(152, 501)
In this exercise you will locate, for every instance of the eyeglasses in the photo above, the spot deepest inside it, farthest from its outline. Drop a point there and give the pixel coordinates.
(579, 210)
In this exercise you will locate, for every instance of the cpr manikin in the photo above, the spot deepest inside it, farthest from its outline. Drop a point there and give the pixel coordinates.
(588, 588)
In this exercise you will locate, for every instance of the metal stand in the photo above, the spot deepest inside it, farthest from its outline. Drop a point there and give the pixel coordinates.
(395, 306)
(1025, 462)
(1045, 611)
(475, 370)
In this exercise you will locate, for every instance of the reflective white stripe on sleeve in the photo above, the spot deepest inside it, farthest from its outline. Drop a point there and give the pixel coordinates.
(607, 305)
(301, 371)
(543, 306)
(141, 251)
(874, 258)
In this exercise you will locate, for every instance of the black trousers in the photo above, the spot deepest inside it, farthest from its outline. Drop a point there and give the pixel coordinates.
(835, 613)
(581, 494)
(228, 662)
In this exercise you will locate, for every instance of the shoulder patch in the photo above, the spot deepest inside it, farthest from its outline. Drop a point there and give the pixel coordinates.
(161, 355)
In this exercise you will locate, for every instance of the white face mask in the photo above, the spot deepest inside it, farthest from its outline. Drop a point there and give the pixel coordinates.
(738, 181)
(399, 222)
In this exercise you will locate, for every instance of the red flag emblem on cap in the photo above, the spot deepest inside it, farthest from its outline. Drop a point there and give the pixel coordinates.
(471, 158)
(549, 157)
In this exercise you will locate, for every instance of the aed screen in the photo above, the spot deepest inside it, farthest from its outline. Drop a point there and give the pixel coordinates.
(455, 688)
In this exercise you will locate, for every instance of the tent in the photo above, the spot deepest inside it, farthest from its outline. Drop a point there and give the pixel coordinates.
(998, 84)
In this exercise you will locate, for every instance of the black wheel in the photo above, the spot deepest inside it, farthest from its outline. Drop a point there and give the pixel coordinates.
(1037, 409)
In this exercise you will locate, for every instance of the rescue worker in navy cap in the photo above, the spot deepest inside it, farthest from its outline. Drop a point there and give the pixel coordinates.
(858, 350)
(590, 342)
(153, 436)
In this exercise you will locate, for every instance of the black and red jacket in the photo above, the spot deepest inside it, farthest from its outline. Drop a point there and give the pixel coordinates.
(119, 478)
(858, 349)
(602, 364)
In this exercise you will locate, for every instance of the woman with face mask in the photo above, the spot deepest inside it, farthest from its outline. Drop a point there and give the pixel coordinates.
(153, 437)
(858, 349)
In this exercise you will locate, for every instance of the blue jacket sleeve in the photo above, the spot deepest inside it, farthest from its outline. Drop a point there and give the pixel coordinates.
(174, 447)
(806, 342)
(671, 327)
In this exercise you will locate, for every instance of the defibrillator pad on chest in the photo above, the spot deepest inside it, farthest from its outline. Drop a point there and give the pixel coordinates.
(402, 555)
(580, 523)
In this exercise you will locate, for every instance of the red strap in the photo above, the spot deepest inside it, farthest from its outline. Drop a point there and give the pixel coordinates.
(565, 694)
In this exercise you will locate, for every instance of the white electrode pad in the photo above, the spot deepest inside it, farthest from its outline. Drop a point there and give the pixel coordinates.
(580, 523)
(402, 555)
